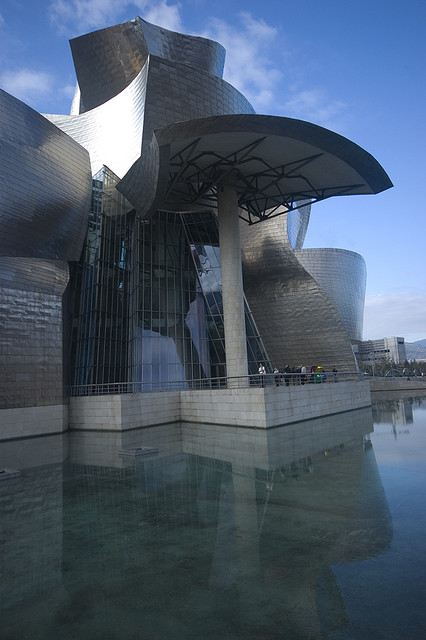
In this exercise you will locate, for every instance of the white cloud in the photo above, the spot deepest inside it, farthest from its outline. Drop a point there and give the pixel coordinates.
(68, 91)
(257, 59)
(80, 16)
(35, 88)
(314, 105)
(249, 66)
(27, 85)
(164, 15)
(395, 314)
(257, 52)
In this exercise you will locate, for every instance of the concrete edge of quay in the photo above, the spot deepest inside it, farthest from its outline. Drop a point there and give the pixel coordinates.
(403, 383)
(260, 408)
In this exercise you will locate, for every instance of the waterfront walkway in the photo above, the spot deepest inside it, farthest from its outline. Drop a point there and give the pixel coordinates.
(400, 383)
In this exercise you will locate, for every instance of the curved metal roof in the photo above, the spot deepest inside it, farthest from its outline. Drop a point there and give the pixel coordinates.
(271, 161)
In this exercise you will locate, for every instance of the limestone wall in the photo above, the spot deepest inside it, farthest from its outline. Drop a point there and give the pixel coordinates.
(253, 407)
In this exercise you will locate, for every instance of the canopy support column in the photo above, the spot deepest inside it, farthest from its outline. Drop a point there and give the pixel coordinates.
(232, 286)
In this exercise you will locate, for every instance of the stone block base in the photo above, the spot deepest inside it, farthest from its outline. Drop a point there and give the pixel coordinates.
(25, 422)
(250, 407)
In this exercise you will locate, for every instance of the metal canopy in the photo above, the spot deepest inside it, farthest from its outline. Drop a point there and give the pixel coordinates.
(272, 163)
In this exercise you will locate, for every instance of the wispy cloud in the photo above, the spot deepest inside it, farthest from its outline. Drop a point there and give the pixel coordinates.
(35, 87)
(249, 64)
(27, 84)
(167, 16)
(68, 16)
(314, 105)
(258, 59)
(259, 55)
(395, 314)
(79, 16)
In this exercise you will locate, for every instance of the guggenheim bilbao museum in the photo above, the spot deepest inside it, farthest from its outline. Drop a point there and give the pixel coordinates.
(152, 239)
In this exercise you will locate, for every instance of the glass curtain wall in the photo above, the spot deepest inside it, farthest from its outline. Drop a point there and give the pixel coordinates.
(148, 299)
(101, 288)
(164, 287)
(203, 237)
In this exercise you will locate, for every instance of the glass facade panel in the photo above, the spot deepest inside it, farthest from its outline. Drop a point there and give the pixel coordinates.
(101, 289)
(148, 298)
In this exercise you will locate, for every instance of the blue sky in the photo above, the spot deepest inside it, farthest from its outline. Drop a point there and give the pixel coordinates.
(356, 67)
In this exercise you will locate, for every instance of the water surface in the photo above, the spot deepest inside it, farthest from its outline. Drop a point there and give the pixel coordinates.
(314, 530)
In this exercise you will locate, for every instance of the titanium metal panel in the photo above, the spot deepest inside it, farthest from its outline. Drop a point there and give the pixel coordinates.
(111, 132)
(201, 53)
(297, 226)
(44, 206)
(162, 93)
(31, 348)
(173, 94)
(30, 274)
(45, 186)
(176, 93)
(343, 275)
(139, 185)
(296, 318)
(108, 60)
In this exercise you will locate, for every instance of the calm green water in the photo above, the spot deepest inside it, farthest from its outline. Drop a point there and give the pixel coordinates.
(310, 531)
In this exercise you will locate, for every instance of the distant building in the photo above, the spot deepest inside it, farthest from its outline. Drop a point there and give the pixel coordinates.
(377, 351)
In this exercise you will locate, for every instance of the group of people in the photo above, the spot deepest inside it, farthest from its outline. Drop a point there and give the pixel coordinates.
(295, 375)
(288, 375)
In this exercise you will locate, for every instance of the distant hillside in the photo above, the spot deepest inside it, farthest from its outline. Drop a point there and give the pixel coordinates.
(416, 350)
(422, 343)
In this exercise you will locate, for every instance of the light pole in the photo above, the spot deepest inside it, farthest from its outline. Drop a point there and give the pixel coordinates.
(372, 362)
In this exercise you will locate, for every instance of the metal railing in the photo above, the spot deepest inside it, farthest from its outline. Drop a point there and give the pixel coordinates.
(201, 384)
(395, 376)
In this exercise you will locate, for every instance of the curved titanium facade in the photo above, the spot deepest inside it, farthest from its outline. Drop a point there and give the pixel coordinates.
(101, 73)
(44, 202)
(297, 226)
(127, 95)
(343, 275)
(31, 332)
(201, 53)
(111, 132)
(108, 60)
(297, 319)
(45, 186)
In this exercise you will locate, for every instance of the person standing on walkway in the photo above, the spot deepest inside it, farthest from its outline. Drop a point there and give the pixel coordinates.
(277, 376)
(262, 373)
(287, 371)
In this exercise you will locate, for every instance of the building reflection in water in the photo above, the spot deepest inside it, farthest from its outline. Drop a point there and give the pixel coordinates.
(218, 531)
(394, 412)
(31, 518)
